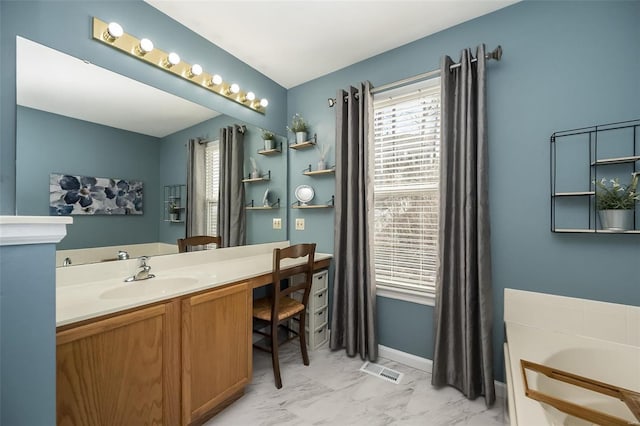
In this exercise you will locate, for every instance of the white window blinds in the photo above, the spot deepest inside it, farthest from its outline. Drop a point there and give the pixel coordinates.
(406, 195)
(212, 158)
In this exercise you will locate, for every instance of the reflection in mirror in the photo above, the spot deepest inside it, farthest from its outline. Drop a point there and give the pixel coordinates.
(83, 120)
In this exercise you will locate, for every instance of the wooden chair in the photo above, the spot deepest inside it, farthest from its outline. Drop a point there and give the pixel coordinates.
(198, 240)
(278, 308)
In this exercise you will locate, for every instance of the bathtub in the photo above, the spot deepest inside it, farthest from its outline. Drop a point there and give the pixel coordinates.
(597, 340)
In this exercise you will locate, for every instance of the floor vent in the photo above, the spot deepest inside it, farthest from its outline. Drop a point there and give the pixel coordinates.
(381, 372)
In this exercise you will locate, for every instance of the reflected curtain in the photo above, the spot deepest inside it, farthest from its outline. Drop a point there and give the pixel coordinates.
(463, 355)
(196, 219)
(231, 204)
(353, 316)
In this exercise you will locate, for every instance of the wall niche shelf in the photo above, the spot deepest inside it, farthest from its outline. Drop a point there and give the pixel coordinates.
(592, 153)
(309, 172)
(262, 178)
(307, 144)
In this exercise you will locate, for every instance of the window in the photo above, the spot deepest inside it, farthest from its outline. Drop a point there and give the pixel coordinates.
(406, 140)
(212, 185)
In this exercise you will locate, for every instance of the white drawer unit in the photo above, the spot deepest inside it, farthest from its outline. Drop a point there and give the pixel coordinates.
(317, 310)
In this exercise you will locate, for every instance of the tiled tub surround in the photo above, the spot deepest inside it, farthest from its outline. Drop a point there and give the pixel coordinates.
(597, 340)
(89, 291)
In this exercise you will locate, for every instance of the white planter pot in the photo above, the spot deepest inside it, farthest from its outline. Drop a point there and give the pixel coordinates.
(255, 174)
(616, 220)
(268, 144)
(301, 137)
(174, 217)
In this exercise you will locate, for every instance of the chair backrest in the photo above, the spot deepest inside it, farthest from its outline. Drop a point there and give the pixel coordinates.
(280, 272)
(198, 240)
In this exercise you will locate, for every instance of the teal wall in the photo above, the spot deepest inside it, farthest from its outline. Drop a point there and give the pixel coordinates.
(51, 143)
(27, 335)
(41, 21)
(565, 65)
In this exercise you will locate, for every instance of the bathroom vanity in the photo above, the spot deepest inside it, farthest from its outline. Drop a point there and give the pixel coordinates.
(174, 349)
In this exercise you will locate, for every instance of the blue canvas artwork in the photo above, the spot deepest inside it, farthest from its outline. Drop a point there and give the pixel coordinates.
(85, 195)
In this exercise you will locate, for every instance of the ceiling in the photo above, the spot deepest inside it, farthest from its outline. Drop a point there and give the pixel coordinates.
(296, 41)
(78, 89)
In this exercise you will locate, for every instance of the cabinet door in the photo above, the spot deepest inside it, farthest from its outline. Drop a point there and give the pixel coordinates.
(216, 350)
(121, 370)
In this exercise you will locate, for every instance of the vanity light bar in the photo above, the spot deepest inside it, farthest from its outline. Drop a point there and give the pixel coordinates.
(112, 34)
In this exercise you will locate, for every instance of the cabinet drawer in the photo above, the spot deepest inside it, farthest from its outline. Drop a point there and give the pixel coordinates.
(320, 281)
(318, 337)
(319, 317)
(318, 300)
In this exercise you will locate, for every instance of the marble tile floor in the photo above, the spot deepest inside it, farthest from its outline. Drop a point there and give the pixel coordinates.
(332, 391)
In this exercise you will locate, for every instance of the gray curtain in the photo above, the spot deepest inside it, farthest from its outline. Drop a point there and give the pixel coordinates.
(463, 356)
(196, 185)
(231, 208)
(354, 310)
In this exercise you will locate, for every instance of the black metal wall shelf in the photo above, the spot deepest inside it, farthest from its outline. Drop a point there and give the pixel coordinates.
(608, 150)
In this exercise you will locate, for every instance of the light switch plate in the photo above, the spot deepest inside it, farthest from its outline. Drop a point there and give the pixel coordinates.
(300, 224)
(277, 223)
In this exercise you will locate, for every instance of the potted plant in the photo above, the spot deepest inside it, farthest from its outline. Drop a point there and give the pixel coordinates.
(174, 211)
(615, 202)
(300, 127)
(268, 137)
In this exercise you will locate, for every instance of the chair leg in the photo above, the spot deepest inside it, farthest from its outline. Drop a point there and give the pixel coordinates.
(303, 338)
(274, 354)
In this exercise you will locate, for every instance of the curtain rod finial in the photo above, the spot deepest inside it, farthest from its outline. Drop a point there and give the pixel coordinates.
(496, 53)
(331, 102)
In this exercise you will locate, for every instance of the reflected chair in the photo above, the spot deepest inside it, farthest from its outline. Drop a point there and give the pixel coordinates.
(198, 240)
(277, 309)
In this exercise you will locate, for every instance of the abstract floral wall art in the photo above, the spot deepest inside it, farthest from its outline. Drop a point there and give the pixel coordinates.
(85, 195)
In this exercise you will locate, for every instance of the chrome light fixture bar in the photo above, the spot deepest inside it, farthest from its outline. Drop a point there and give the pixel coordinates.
(113, 35)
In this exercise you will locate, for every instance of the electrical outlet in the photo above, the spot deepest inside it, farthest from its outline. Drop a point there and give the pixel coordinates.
(300, 224)
(277, 223)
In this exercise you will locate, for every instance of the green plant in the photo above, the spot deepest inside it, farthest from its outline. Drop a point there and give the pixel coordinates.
(298, 124)
(267, 134)
(173, 207)
(612, 195)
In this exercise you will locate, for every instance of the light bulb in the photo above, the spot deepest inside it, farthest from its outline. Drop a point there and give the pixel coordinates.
(264, 102)
(215, 80)
(114, 30)
(195, 70)
(144, 47)
(171, 60)
(234, 88)
(250, 96)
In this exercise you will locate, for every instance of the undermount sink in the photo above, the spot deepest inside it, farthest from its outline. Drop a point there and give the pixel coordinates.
(150, 287)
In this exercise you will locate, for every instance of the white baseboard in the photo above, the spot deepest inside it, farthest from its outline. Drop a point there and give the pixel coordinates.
(424, 364)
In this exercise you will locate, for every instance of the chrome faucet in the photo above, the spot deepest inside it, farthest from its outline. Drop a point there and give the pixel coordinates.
(142, 274)
(67, 261)
(123, 255)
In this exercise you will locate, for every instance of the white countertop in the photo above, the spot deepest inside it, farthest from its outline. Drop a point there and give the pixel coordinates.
(78, 297)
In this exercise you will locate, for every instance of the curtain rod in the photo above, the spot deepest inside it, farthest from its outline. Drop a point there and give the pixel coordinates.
(241, 128)
(495, 54)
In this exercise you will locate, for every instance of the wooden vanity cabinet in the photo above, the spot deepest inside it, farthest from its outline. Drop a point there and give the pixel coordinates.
(216, 350)
(174, 363)
(122, 370)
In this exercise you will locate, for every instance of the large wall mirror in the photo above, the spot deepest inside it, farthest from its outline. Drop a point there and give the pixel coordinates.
(78, 119)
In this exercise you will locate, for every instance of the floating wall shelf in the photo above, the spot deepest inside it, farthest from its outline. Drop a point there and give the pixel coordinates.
(274, 206)
(263, 178)
(306, 144)
(309, 172)
(330, 204)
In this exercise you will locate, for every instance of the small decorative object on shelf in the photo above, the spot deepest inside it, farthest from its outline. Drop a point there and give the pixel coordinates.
(255, 171)
(304, 194)
(174, 211)
(322, 149)
(615, 202)
(595, 198)
(173, 196)
(269, 139)
(300, 127)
